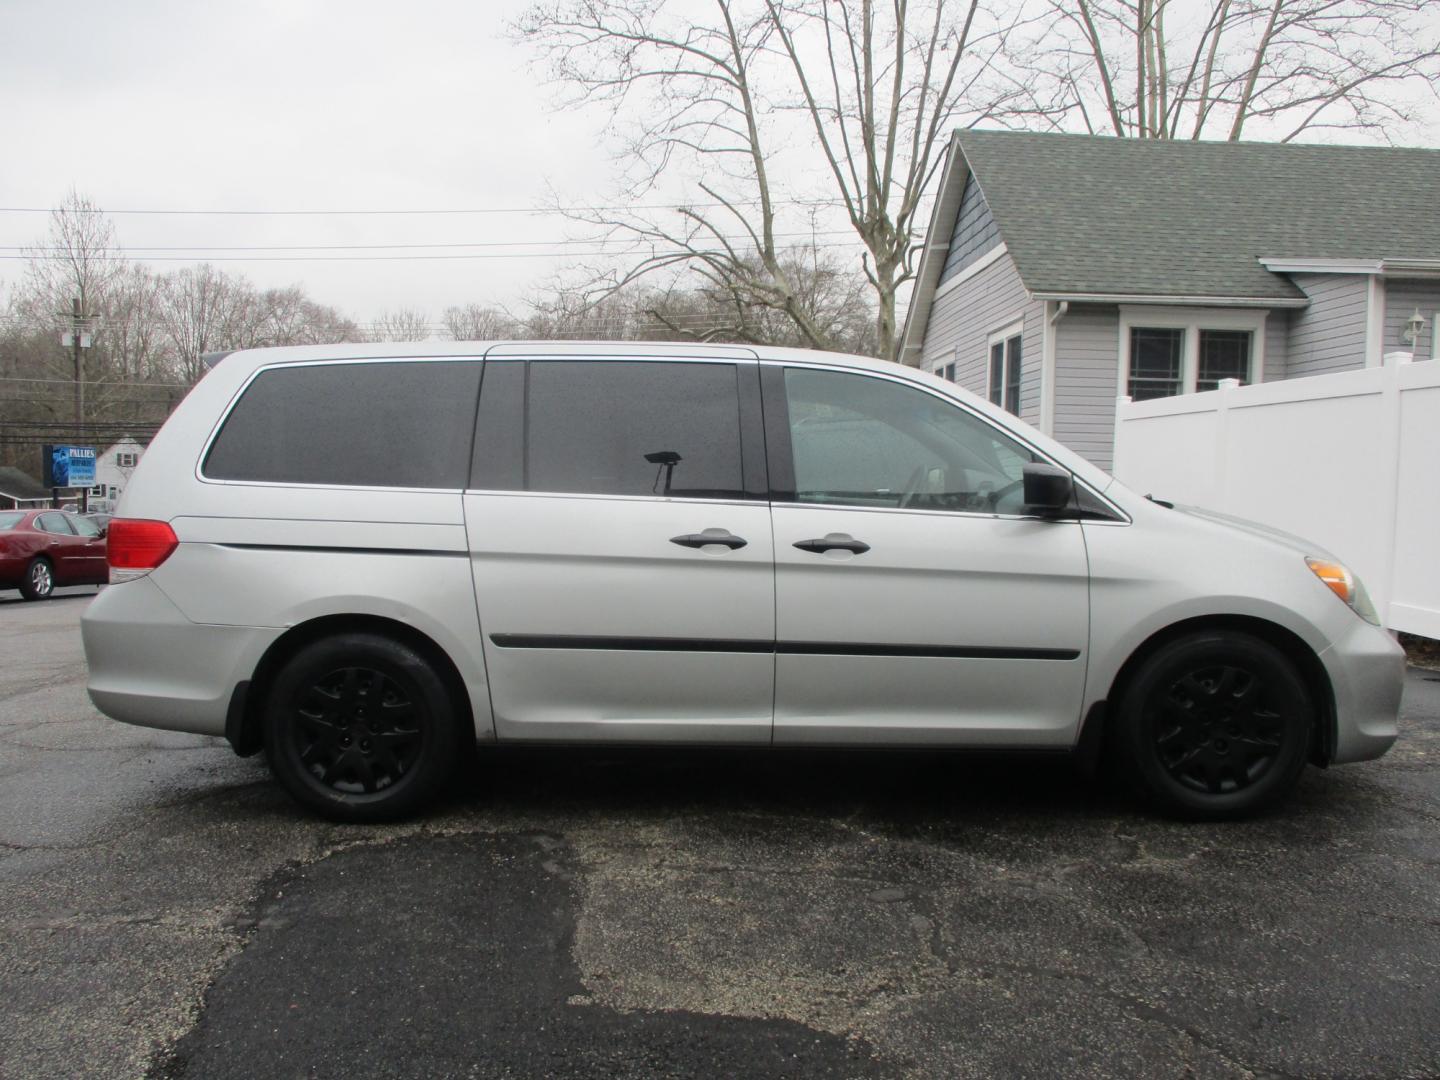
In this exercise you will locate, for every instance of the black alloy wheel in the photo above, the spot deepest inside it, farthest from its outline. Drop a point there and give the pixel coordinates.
(1215, 731)
(1215, 725)
(361, 727)
(39, 580)
(356, 730)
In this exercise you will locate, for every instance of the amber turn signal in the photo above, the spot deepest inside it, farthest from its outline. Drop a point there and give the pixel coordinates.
(1339, 580)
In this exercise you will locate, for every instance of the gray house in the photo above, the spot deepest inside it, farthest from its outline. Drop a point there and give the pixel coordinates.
(1061, 271)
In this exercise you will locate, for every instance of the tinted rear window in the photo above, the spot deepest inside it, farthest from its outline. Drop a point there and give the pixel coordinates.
(368, 425)
(621, 427)
(9, 521)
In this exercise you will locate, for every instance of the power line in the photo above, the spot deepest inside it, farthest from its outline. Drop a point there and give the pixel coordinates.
(411, 211)
(632, 242)
(373, 258)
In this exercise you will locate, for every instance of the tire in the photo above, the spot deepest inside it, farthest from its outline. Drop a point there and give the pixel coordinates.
(361, 728)
(39, 580)
(1214, 725)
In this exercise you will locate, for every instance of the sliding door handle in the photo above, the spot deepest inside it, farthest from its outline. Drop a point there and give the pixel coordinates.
(704, 539)
(834, 542)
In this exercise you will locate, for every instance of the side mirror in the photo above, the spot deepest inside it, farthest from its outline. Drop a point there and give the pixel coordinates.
(1048, 489)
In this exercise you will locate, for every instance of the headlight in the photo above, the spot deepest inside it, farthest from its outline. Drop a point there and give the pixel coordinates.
(1345, 585)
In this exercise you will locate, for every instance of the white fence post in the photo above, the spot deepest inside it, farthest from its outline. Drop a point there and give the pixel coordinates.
(1222, 444)
(1391, 440)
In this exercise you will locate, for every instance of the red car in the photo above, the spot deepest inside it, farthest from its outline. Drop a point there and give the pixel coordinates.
(40, 549)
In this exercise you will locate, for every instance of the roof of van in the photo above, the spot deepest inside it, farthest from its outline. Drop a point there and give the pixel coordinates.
(616, 350)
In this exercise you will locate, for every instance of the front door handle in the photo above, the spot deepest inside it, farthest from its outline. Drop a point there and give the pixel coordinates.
(834, 542)
(710, 536)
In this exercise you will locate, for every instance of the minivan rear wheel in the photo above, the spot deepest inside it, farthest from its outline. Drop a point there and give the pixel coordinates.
(1214, 725)
(360, 727)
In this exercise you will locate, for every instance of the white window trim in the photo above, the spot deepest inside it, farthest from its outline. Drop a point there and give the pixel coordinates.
(1191, 321)
(1012, 329)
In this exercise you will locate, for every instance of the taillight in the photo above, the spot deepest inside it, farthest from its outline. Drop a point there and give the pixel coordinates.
(134, 547)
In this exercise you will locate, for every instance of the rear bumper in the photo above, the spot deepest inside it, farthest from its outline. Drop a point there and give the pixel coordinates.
(149, 665)
(1367, 673)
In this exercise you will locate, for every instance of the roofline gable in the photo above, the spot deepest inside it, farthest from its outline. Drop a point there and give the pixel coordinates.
(933, 254)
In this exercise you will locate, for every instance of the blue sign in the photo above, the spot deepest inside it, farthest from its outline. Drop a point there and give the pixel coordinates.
(69, 466)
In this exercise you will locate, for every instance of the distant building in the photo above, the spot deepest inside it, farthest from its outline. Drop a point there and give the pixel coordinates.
(20, 491)
(112, 473)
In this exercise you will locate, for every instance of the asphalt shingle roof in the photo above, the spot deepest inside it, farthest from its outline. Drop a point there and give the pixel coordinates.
(19, 485)
(1091, 214)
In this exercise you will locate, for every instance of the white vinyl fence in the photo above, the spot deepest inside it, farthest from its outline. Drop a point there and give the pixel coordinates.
(1350, 461)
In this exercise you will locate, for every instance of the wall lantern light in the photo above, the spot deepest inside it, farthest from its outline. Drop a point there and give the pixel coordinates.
(1413, 326)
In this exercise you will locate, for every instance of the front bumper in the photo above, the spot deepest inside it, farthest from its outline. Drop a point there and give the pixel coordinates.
(1367, 674)
(149, 665)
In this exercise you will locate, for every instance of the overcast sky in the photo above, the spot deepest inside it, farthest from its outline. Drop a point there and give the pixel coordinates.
(293, 105)
(297, 105)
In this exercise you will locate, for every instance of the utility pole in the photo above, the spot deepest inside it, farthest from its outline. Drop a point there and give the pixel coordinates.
(78, 339)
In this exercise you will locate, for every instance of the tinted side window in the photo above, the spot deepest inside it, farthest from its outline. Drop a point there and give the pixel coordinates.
(500, 428)
(370, 425)
(622, 427)
(860, 441)
(55, 523)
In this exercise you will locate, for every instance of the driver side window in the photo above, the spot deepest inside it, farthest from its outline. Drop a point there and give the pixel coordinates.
(863, 441)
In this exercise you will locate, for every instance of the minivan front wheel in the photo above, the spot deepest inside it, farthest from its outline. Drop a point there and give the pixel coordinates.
(360, 728)
(1214, 725)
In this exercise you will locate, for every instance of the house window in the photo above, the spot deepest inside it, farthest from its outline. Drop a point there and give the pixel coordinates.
(1156, 359)
(124, 460)
(1005, 368)
(946, 372)
(98, 491)
(1169, 350)
(1224, 354)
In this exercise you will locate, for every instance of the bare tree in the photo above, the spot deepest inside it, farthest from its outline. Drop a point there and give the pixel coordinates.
(79, 257)
(131, 340)
(286, 316)
(1163, 70)
(400, 324)
(476, 322)
(693, 94)
(752, 100)
(881, 86)
(834, 297)
(203, 310)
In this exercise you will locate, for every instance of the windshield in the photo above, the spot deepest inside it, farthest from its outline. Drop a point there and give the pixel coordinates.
(11, 519)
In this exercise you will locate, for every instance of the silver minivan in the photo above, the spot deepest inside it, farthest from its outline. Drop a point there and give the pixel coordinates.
(363, 558)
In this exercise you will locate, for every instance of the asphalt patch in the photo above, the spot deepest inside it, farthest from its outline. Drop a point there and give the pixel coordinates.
(450, 957)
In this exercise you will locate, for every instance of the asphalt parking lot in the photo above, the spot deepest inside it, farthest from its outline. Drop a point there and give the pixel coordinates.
(166, 911)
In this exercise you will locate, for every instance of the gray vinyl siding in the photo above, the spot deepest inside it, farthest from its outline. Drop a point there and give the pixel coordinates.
(962, 320)
(1087, 372)
(1329, 335)
(1401, 300)
(975, 231)
(1277, 345)
(1033, 368)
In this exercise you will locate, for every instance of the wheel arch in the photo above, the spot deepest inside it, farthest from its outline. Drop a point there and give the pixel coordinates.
(1296, 650)
(242, 722)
